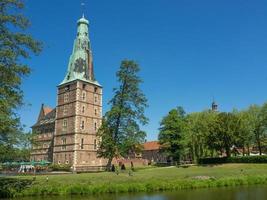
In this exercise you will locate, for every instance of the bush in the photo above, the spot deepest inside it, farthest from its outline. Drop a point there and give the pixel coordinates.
(243, 159)
(61, 167)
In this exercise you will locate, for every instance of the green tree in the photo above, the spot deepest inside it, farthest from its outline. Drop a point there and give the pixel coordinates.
(246, 136)
(258, 120)
(225, 132)
(198, 127)
(171, 130)
(15, 46)
(120, 132)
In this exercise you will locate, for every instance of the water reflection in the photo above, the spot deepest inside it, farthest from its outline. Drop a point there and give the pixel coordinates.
(239, 193)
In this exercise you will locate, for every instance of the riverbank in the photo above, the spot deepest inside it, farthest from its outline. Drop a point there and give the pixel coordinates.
(145, 180)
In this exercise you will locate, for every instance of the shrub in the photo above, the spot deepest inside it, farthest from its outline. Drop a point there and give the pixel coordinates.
(243, 159)
(61, 167)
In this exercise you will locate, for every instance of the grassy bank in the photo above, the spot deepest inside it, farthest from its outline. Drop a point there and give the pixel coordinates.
(146, 180)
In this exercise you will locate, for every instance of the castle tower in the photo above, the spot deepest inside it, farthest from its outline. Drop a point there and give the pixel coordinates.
(79, 108)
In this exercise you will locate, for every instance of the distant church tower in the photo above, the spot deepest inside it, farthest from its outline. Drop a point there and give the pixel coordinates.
(79, 108)
(214, 106)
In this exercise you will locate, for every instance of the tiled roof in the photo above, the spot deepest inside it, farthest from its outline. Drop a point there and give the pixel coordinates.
(152, 145)
(47, 110)
(48, 118)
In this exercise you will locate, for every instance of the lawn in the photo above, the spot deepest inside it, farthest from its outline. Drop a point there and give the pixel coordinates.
(149, 179)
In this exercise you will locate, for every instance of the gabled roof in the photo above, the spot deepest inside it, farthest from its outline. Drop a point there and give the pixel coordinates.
(151, 145)
(47, 110)
(46, 115)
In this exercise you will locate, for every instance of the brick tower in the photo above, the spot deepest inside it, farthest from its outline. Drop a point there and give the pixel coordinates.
(79, 109)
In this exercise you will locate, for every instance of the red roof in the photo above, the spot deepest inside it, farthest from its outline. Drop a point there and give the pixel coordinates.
(152, 145)
(47, 110)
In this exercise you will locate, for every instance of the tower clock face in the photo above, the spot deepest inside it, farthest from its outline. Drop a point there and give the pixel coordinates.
(79, 65)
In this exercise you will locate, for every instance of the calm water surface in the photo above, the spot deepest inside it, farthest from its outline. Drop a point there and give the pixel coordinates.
(238, 193)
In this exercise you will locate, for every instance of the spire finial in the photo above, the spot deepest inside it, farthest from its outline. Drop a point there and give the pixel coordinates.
(82, 8)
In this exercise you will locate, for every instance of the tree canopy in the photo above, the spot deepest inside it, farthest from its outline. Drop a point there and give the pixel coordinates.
(120, 132)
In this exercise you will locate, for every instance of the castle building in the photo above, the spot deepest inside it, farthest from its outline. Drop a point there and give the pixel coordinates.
(67, 134)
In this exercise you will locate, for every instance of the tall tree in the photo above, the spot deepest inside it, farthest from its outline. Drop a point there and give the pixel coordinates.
(226, 131)
(120, 131)
(170, 136)
(15, 46)
(258, 119)
(246, 135)
(198, 127)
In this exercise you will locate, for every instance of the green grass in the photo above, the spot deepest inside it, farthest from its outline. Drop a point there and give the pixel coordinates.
(150, 179)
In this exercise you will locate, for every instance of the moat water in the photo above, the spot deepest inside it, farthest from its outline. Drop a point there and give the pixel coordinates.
(236, 193)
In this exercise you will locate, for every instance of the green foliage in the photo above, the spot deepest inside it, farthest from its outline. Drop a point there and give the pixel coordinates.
(170, 135)
(208, 133)
(120, 132)
(15, 46)
(243, 159)
(61, 167)
(196, 136)
(226, 130)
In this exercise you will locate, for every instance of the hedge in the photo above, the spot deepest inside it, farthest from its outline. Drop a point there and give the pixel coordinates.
(62, 167)
(242, 159)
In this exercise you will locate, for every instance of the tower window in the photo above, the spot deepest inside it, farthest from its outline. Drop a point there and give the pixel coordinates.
(95, 89)
(66, 97)
(83, 109)
(84, 86)
(65, 110)
(95, 99)
(94, 143)
(83, 96)
(95, 111)
(65, 124)
(63, 141)
(67, 88)
(95, 126)
(82, 143)
(82, 125)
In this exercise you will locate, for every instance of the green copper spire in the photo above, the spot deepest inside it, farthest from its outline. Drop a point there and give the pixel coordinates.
(81, 60)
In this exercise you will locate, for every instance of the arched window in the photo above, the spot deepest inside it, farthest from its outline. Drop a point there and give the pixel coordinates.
(82, 125)
(83, 96)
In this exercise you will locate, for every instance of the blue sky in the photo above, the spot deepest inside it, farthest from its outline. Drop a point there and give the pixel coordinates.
(189, 51)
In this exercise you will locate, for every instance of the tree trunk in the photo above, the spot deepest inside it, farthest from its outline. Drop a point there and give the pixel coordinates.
(243, 150)
(248, 150)
(228, 152)
(109, 164)
(259, 146)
